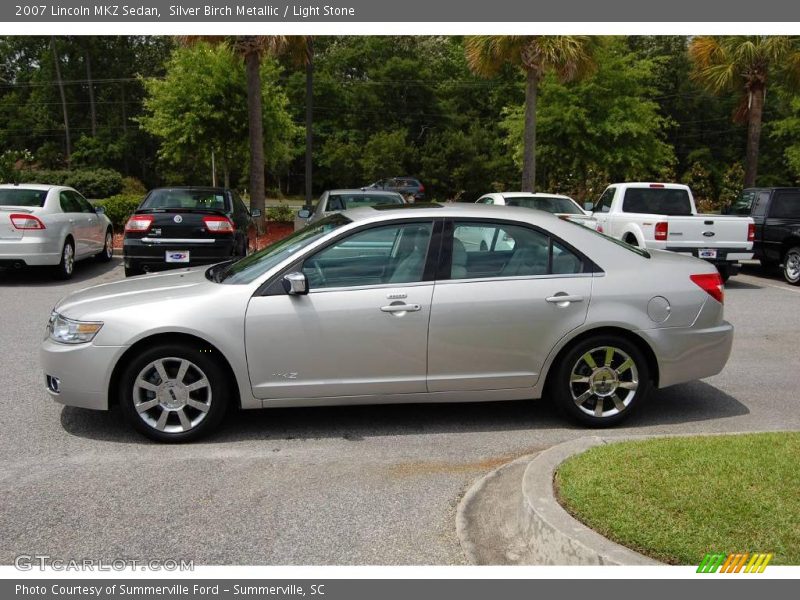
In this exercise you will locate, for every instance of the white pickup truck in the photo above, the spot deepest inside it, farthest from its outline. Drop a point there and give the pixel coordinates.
(663, 216)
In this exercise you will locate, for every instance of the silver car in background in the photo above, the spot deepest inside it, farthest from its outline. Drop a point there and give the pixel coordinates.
(50, 225)
(388, 305)
(333, 201)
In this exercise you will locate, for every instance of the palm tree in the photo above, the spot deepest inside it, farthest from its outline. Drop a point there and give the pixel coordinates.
(744, 65)
(570, 57)
(251, 48)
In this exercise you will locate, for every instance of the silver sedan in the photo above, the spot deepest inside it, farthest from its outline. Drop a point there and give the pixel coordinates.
(388, 305)
(51, 225)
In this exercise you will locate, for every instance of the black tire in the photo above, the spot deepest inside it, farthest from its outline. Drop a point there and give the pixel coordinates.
(631, 240)
(66, 267)
(566, 392)
(107, 253)
(133, 270)
(791, 266)
(203, 365)
(724, 273)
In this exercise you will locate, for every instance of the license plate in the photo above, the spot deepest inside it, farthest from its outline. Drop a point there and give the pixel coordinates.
(177, 256)
(707, 253)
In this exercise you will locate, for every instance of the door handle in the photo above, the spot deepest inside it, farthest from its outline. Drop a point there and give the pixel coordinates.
(563, 299)
(395, 308)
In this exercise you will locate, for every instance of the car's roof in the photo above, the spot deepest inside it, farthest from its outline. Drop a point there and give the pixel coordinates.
(528, 195)
(363, 191)
(454, 209)
(34, 186)
(193, 188)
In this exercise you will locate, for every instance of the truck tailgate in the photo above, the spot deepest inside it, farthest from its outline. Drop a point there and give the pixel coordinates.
(708, 231)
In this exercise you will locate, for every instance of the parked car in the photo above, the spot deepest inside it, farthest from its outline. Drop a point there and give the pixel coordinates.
(182, 226)
(407, 186)
(385, 304)
(776, 213)
(663, 216)
(557, 204)
(333, 201)
(51, 225)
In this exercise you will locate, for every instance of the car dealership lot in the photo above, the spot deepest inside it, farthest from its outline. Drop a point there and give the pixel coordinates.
(360, 485)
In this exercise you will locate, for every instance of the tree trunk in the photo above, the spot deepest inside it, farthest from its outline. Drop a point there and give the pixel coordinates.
(753, 136)
(256, 127)
(529, 133)
(90, 82)
(60, 83)
(309, 116)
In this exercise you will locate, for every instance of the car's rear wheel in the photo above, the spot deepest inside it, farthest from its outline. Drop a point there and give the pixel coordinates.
(108, 248)
(174, 393)
(791, 266)
(131, 270)
(66, 266)
(724, 273)
(601, 381)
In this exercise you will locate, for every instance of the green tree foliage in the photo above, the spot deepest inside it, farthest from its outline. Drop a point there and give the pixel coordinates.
(198, 107)
(602, 129)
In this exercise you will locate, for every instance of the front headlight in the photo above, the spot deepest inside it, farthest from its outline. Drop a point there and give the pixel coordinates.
(67, 331)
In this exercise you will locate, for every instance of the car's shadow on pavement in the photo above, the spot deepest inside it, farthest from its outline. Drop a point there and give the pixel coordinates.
(692, 402)
(85, 271)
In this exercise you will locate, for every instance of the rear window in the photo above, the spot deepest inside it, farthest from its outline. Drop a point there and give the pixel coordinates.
(22, 197)
(186, 200)
(657, 201)
(785, 205)
(549, 204)
(345, 201)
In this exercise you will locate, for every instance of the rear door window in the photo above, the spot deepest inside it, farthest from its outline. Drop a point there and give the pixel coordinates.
(68, 203)
(785, 205)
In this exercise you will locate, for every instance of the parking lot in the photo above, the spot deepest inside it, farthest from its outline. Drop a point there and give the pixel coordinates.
(351, 485)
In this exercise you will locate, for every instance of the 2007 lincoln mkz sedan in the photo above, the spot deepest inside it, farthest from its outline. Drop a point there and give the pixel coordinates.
(387, 305)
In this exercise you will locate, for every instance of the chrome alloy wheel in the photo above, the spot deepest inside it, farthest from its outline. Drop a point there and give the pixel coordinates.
(791, 266)
(603, 381)
(172, 395)
(68, 257)
(109, 246)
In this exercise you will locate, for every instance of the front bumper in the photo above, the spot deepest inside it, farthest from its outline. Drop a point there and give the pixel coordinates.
(689, 353)
(83, 372)
(152, 256)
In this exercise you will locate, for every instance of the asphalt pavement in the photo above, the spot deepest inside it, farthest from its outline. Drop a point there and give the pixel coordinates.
(342, 485)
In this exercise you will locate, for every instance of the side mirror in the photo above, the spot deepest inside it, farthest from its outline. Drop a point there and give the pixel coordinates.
(304, 213)
(295, 284)
(588, 206)
(99, 210)
(256, 212)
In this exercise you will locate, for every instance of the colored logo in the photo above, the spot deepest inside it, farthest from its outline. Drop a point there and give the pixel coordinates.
(743, 562)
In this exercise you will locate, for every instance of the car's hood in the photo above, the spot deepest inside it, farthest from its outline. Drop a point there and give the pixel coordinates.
(158, 287)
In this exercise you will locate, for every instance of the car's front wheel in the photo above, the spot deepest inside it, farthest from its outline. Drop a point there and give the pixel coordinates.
(791, 266)
(601, 381)
(174, 393)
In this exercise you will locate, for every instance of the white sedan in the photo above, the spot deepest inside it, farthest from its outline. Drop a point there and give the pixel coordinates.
(50, 225)
(557, 204)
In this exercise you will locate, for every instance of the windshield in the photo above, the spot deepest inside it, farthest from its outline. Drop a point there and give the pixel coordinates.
(22, 197)
(255, 265)
(551, 204)
(672, 202)
(185, 200)
(345, 201)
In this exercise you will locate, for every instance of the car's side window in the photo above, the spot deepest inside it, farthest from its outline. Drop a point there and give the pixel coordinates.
(486, 200)
(391, 254)
(484, 250)
(604, 203)
(68, 203)
(84, 205)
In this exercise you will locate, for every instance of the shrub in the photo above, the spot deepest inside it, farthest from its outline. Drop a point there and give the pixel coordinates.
(92, 183)
(282, 213)
(119, 208)
(131, 185)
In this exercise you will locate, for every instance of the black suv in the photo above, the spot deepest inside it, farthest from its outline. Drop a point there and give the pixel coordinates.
(186, 226)
(776, 212)
(407, 186)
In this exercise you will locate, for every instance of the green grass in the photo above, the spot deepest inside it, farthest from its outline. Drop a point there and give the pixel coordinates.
(675, 499)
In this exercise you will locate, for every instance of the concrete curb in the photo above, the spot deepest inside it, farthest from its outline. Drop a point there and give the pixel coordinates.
(552, 536)
(463, 530)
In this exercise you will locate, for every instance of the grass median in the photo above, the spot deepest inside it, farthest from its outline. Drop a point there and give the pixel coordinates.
(675, 499)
